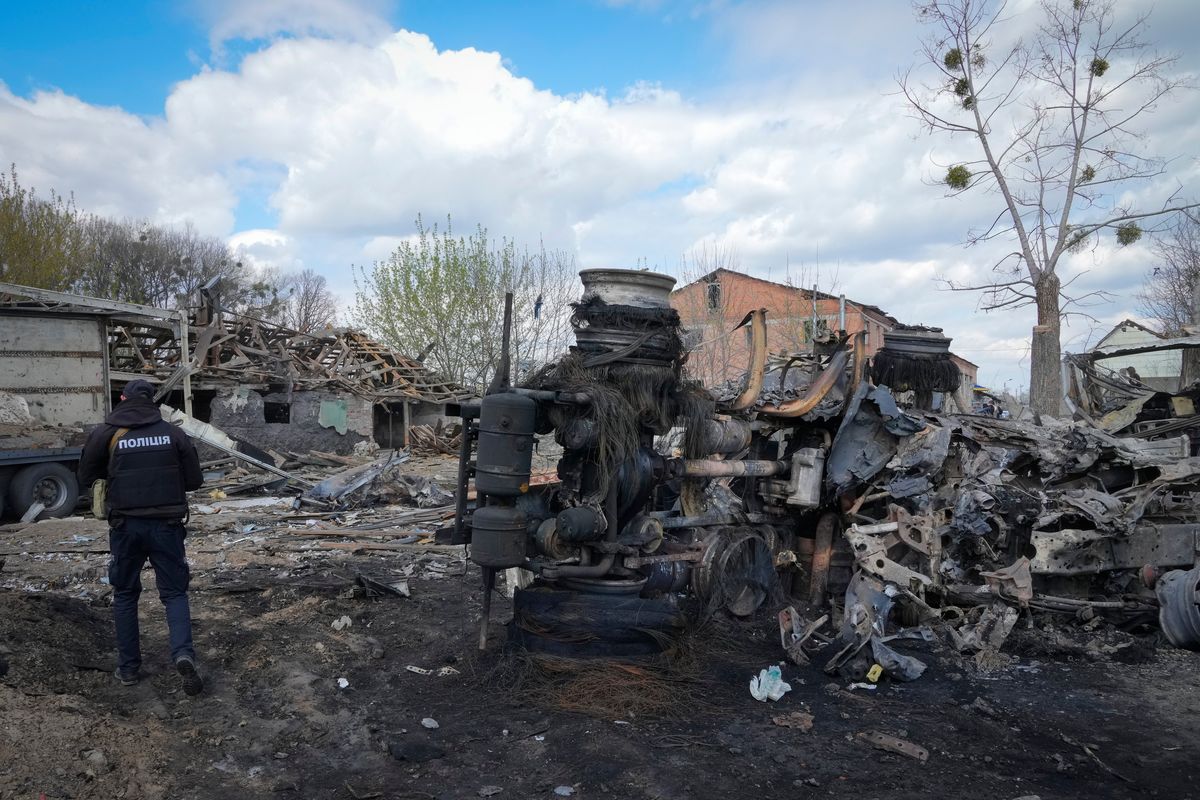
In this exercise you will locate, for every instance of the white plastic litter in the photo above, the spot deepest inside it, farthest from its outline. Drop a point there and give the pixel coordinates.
(429, 722)
(343, 683)
(769, 685)
(342, 622)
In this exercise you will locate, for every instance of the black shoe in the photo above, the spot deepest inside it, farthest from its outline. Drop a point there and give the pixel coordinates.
(193, 684)
(126, 678)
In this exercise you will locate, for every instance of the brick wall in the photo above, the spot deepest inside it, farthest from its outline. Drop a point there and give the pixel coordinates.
(711, 307)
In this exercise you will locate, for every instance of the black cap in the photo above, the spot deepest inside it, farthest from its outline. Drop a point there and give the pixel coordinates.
(138, 388)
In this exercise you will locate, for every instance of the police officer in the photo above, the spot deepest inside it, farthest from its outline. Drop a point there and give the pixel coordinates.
(149, 465)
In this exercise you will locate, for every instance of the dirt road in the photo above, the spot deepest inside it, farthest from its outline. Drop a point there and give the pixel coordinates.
(275, 723)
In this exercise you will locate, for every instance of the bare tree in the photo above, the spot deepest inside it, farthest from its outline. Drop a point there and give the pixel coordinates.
(310, 305)
(714, 355)
(1054, 119)
(1169, 292)
(135, 261)
(48, 243)
(545, 285)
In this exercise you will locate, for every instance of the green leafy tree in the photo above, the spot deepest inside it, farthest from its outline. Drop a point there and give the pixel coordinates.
(440, 295)
(1054, 119)
(443, 296)
(41, 240)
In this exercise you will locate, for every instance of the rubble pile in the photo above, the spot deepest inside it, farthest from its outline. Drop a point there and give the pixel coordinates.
(967, 523)
(388, 506)
(438, 438)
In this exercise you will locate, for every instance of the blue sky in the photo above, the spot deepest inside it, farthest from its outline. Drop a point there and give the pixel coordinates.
(124, 54)
(130, 53)
(311, 133)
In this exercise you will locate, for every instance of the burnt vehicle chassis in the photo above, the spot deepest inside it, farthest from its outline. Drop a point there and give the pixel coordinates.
(662, 493)
(809, 481)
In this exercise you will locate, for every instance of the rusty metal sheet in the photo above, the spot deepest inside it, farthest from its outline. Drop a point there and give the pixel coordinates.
(1076, 552)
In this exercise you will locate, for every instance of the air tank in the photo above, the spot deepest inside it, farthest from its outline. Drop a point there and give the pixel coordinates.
(505, 450)
(499, 537)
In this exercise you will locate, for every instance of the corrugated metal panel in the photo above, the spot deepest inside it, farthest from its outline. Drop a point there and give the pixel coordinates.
(57, 364)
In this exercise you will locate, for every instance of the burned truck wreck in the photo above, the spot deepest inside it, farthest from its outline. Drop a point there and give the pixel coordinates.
(808, 488)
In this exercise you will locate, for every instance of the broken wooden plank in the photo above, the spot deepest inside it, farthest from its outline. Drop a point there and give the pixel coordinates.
(892, 744)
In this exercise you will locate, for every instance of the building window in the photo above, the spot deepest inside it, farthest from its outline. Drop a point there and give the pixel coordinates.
(277, 412)
(713, 296)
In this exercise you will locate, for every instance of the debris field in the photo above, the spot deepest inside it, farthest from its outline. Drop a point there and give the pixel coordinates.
(808, 583)
(328, 638)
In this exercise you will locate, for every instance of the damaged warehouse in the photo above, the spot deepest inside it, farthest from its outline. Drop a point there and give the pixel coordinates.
(272, 388)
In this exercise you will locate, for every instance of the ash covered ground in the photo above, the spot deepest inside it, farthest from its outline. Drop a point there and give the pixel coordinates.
(1074, 709)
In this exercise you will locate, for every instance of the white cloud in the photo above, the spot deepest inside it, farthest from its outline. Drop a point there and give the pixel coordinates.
(113, 162)
(264, 250)
(227, 20)
(355, 134)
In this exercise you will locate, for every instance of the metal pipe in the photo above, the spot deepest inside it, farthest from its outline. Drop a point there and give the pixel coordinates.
(758, 360)
(816, 392)
(860, 360)
(879, 527)
(821, 559)
(814, 317)
(593, 571)
(185, 361)
(704, 520)
(550, 396)
(489, 583)
(502, 377)
(703, 468)
(464, 479)
(842, 312)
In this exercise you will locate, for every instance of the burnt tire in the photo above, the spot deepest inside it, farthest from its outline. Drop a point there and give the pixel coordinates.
(580, 624)
(50, 483)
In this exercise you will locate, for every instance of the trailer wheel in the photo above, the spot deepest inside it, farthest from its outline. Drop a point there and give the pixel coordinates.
(50, 483)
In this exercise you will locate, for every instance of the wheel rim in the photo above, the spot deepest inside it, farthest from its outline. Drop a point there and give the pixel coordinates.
(49, 491)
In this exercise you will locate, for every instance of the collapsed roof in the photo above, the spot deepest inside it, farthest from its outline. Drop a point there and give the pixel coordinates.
(231, 349)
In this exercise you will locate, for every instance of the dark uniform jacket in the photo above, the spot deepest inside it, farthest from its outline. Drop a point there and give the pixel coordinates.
(151, 467)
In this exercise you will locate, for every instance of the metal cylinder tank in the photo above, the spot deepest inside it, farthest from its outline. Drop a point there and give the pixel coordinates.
(581, 524)
(499, 537)
(725, 436)
(505, 450)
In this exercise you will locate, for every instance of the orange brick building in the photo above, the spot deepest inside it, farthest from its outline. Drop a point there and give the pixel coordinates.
(710, 306)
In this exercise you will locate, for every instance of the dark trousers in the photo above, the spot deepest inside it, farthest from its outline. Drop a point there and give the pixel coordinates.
(131, 541)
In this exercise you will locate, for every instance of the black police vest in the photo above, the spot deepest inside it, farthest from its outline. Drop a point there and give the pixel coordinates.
(144, 471)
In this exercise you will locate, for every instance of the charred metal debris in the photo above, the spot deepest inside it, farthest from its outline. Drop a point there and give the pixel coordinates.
(811, 489)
